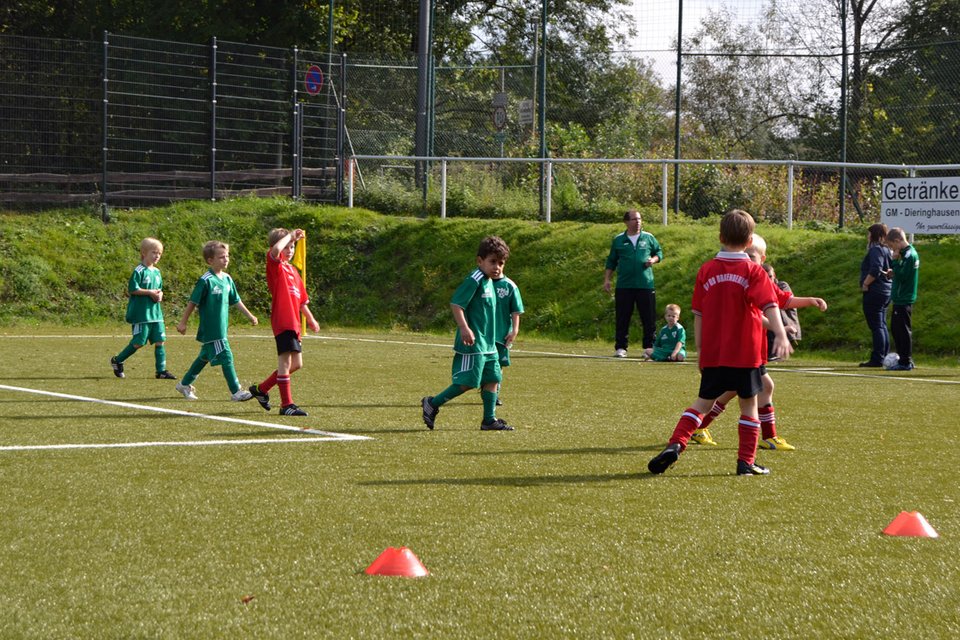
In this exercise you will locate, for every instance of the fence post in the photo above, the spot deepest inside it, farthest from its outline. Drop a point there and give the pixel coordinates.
(213, 118)
(663, 189)
(443, 188)
(790, 195)
(104, 212)
(548, 190)
(350, 183)
(341, 125)
(293, 124)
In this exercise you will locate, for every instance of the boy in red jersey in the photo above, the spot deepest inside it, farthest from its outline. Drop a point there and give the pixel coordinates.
(730, 341)
(289, 300)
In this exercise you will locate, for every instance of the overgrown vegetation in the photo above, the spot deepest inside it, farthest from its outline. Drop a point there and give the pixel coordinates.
(384, 271)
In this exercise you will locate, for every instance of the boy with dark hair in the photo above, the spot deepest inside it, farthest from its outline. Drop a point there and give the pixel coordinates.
(144, 313)
(475, 361)
(730, 341)
(905, 273)
(288, 300)
(213, 295)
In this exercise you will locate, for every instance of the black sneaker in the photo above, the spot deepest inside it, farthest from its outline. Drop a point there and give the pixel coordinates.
(262, 398)
(291, 410)
(871, 364)
(495, 425)
(664, 459)
(751, 469)
(117, 367)
(429, 411)
(165, 375)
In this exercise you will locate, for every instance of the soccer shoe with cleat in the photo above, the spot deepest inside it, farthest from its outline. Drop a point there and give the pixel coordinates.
(751, 469)
(292, 410)
(665, 459)
(495, 425)
(702, 436)
(262, 398)
(242, 395)
(620, 353)
(187, 390)
(117, 367)
(165, 375)
(776, 443)
(429, 411)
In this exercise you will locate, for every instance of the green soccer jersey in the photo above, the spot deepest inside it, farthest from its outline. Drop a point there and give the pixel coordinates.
(142, 309)
(477, 298)
(906, 275)
(509, 302)
(667, 339)
(214, 295)
(628, 260)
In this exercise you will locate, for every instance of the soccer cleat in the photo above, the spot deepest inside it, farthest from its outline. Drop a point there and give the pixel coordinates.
(165, 375)
(702, 436)
(903, 367)
(495, 425)
(499, 402)
(187, 390)
(872, 365)
(292, 410)
(262, 398)
(664, 459)
(776, 443)
(117, 367)
(751, 469)
(429, 411)
(620, 353)
(242, 395)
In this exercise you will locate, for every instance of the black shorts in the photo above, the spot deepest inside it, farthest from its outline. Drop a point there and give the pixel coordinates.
(288, 341)
(715, 381)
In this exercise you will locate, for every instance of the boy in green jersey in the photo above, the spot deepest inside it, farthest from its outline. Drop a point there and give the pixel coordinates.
(509, 310)
(671, 341)
(144, 313)
(475, 360)
(905, 272)
(213, 295)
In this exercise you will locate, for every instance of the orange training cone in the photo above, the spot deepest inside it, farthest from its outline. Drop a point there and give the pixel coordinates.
(910, 524)
(397, 562)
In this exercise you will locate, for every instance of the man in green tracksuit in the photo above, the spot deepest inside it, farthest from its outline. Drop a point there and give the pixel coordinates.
(632, 255)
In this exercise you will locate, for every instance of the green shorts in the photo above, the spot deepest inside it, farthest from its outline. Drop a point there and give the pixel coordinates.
(152, 332)
(503, 355)
(476, 369)
(217, 352)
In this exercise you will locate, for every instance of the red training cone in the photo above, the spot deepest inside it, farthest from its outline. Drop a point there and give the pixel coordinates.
(397, 562)
(910, 524)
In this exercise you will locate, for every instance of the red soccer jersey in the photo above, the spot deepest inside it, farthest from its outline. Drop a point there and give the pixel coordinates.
(288, 294)
(730, 290)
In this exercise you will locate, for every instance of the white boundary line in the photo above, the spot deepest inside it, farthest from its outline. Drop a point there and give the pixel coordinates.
(132, 445)
(327, 435)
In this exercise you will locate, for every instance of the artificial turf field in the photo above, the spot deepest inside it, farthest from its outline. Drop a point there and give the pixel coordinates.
(207, 528)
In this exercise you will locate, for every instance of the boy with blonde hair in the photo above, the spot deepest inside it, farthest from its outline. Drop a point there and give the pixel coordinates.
(213, 295)
(670, 345)
(288, 300)
(144, 313)
(730, 340)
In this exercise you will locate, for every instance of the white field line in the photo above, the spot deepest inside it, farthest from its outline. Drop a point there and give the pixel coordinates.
(826, 371)
(329, 435)
(189, 443)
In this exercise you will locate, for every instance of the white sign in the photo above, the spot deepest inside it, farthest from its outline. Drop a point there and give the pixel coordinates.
(922, 205)
(525, 114)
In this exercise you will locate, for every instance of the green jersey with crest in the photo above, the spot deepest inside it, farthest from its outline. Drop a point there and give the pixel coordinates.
(509, 302)
(143, 308)
(477, 298)
(214, 295)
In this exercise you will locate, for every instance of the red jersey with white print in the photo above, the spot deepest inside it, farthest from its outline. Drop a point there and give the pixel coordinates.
(288, 294)
(729, 292)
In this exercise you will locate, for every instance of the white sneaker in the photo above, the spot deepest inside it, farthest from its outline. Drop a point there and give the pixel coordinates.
(187, 390)
(241, 395)
(620, 353)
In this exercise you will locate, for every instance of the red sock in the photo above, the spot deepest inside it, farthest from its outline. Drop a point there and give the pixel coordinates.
(689, 422)
(269, 383)
(283, 383)
(768, 422)
(715, 411)
(749, 432)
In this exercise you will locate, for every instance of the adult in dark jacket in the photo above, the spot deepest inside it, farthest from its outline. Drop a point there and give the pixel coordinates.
(876, 288)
